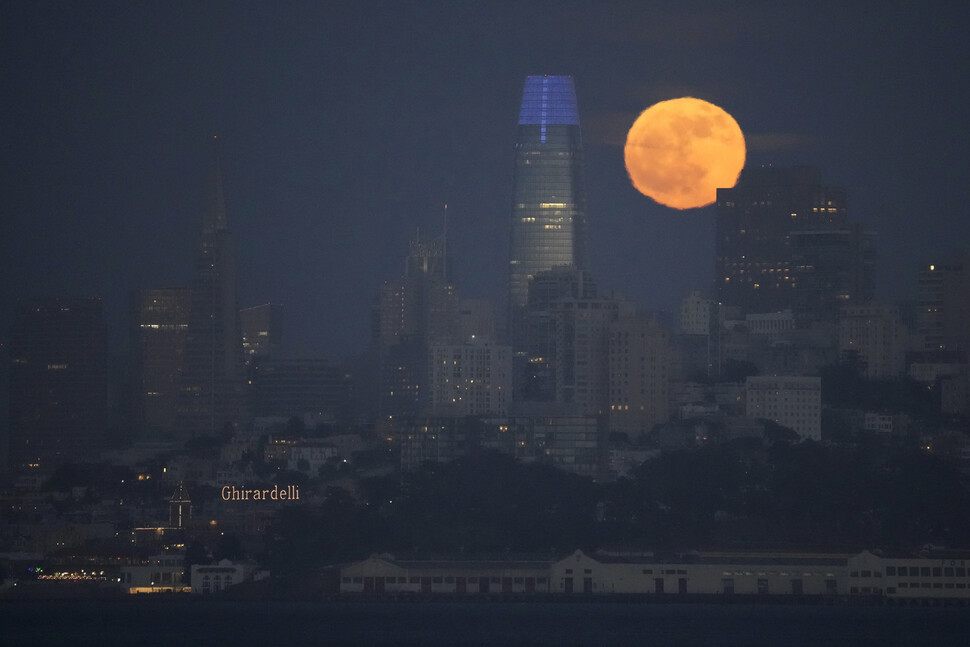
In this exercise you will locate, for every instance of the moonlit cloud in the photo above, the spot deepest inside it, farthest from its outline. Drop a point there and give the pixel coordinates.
(776, 142)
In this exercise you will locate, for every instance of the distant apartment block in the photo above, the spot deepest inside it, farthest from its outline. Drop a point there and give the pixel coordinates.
(793, 402)
(639, 372)
(470, 379)
(874, 336)
(695, 313)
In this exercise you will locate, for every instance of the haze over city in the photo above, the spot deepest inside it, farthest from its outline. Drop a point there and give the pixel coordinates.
(308, 307)
(347, 128)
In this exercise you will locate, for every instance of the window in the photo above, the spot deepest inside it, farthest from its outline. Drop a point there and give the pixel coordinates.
(891, 570)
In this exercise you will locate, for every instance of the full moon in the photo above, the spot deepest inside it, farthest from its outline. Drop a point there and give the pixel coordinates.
(680, 152)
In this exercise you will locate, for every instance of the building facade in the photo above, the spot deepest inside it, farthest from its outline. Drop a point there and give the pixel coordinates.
(640, 357)
(291, 388)
(470, 379)
(262, 330)
(931, 575)
(420, 309)
(793, 402)
(943, 315)
(58, 382)
(549, 219)
(564, 351)
(159, 322)
(873, 337)
(783, 241)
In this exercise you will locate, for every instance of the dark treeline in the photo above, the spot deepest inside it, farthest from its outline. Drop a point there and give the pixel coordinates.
(744, 494)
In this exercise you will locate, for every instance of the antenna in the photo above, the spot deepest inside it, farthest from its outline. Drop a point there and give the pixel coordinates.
(444, 244)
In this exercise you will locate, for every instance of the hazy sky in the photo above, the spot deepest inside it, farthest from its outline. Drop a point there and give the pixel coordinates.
(346, 126)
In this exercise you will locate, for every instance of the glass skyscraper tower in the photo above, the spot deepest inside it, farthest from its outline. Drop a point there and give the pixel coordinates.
(549, 220)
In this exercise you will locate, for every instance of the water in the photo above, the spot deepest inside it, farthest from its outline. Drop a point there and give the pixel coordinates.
(181, 621)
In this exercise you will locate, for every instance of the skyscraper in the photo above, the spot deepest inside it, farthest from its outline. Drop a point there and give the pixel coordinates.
(159, 322)
(760, 265)
(549, 220)
(943, 317)
(212, 381)
(262, 330)
(414, 312)
(58, 382)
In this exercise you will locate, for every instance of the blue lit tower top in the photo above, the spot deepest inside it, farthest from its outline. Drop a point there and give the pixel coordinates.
(548, 100)
(549, 221)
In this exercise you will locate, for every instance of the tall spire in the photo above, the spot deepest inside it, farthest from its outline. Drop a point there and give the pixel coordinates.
(214, 217)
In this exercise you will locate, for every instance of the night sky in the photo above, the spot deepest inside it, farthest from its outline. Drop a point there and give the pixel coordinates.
(345, 127)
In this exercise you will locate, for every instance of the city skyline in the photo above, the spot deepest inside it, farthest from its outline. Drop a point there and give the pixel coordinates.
(337, 147)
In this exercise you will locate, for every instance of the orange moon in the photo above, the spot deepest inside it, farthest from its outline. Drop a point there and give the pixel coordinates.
(679, 152)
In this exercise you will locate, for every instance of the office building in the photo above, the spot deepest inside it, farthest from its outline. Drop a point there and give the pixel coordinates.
(783, 241)
(289, 388)
(564, 353)
(58, 382)
(943, 314)
(262, 330)
(159, 322)
(212, 383)
(831, 268)
(418, 310)
(549, 220)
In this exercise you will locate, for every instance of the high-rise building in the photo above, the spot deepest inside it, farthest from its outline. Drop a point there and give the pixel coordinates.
(262, 330)
(549, 219)
(469, 379)
(640, 366)
(832, 268)
(783, 241)
(873, 337)
(564, 355)
(212, 381)
(58, 382)
(420, 309)
(943, 315)
(297, 387)
(159, 321)
(696, 311)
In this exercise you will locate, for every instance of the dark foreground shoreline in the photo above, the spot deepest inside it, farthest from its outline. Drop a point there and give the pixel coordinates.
(268, 592)
(194, 620)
